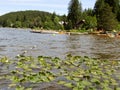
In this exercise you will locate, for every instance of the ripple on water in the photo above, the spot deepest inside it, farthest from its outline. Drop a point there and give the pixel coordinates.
(15, 41)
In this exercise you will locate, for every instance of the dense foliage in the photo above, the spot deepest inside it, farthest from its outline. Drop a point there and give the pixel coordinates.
(115, 4)
(107, 19)
(104, 16)
(31, 19)
(74, 13)
(79, 73)
(107, 13)
(90, 19)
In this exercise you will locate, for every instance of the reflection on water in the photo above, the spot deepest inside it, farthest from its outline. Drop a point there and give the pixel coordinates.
(13, 42)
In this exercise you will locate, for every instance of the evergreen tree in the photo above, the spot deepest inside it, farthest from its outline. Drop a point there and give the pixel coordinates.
(98, 6)
(97, 10)
(53, 16)
(118, 15)
(74, 13)
(89, 12)
(115, 4)
(107, 20)
(105, 13)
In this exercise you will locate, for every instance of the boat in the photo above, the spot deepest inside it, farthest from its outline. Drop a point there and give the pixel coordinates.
(44, 31)
(35, 31)
(111, 35)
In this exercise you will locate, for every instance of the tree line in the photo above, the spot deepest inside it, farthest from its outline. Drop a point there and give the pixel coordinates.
(31, 19)
(107, 13)
(104, 16)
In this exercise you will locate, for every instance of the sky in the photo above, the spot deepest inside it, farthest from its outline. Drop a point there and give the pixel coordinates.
(58, 6)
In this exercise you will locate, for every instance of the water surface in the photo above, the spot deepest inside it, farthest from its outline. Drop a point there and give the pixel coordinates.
(16, 41)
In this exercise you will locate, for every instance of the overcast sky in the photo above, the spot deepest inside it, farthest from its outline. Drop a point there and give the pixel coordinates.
(58, 6)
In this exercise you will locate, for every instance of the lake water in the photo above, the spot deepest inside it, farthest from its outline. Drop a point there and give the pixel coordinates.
(16, 41)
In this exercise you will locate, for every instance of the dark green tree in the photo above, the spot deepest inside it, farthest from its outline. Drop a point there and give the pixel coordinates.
(88, 12)
(106, 12)
(53, 16)
(98, 8)
(115, 4)
(74, 13)
(118, 15)
(107, 19)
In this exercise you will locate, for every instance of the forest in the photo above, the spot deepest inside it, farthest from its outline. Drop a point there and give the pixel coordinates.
(104, 16)
(31, 19)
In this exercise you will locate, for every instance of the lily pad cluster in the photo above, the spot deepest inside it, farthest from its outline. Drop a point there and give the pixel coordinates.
(75, 72)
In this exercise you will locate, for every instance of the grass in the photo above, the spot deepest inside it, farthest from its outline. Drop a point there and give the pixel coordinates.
(78, 31)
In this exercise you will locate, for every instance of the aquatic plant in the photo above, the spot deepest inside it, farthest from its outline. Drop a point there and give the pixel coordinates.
(79, 73)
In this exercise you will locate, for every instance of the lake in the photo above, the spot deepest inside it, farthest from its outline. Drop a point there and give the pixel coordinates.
(16, 41)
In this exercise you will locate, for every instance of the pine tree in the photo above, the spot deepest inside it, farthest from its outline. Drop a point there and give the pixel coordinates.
(106, 15)
(107, 19)
(74, 13)
(98, 6)
(97, 10)
(115, 4)
(118, 15)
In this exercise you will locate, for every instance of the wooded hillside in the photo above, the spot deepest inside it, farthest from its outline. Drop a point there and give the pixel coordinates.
(31, 19)
(104, 16)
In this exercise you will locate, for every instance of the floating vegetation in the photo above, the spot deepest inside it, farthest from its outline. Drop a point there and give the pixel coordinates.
(80, 73)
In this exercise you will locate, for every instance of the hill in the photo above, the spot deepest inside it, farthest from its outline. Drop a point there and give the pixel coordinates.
(31, 19)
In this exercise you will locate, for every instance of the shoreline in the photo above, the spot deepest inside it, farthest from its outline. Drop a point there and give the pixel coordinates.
(111, 35)
(57, 32)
